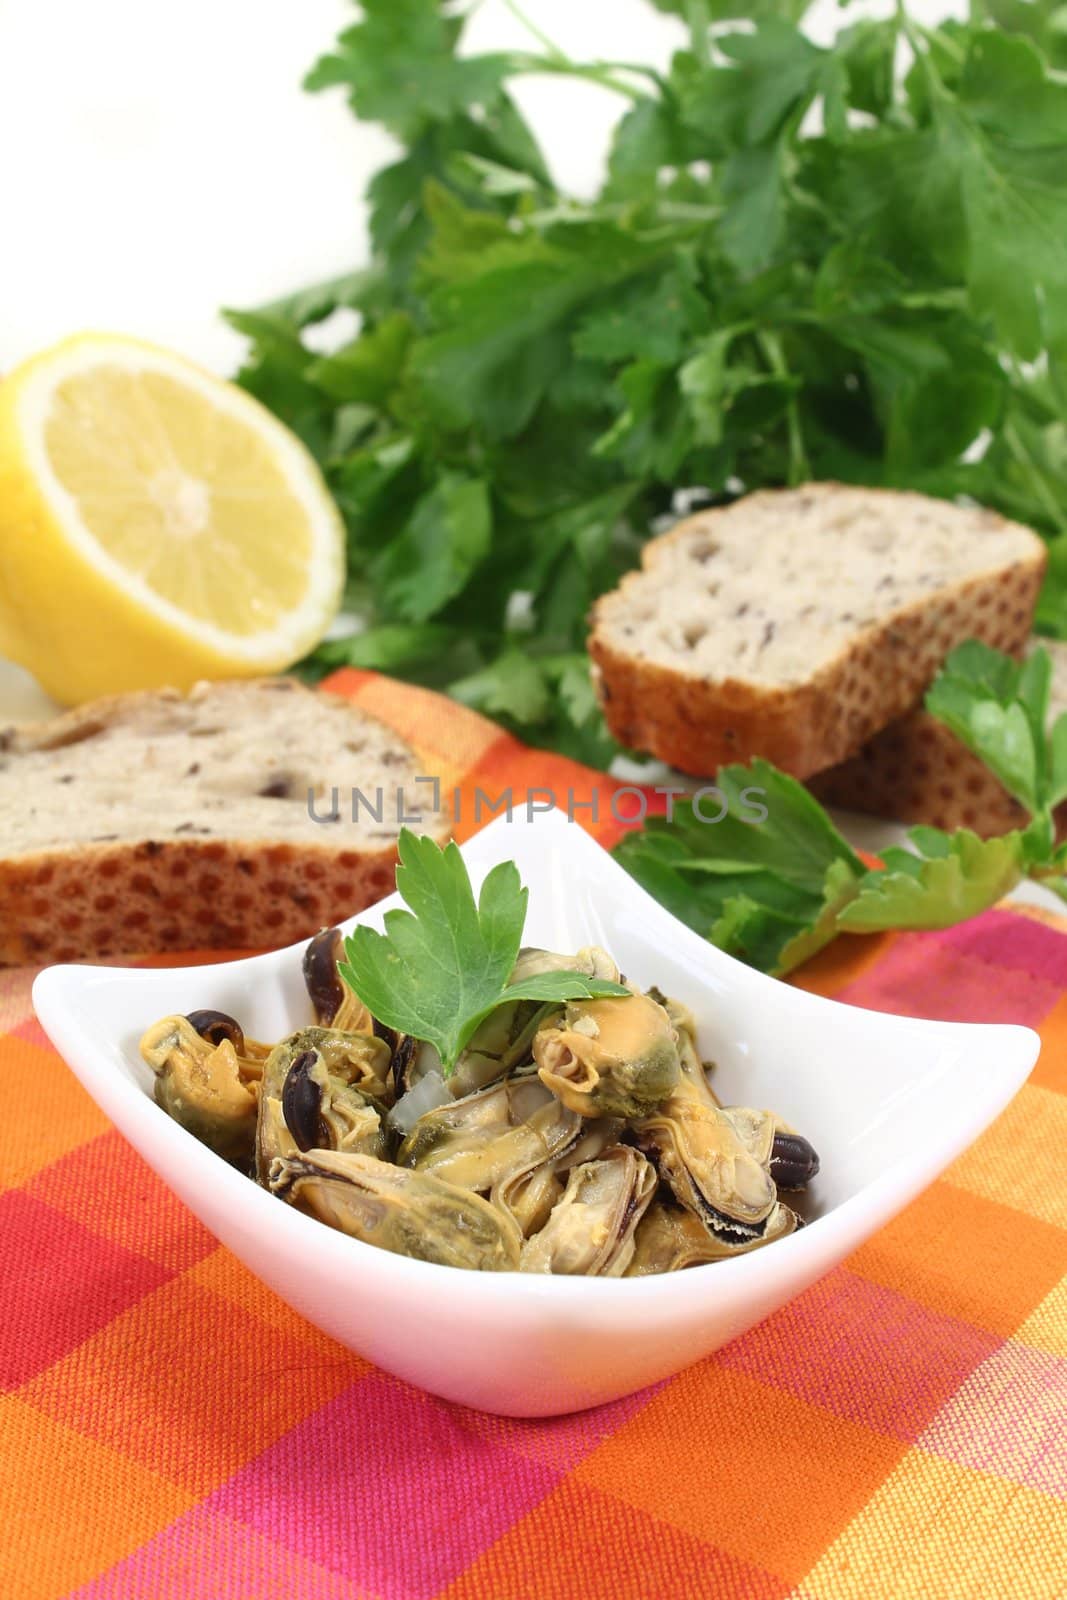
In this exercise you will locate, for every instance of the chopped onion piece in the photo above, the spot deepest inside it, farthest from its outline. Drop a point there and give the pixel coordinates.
(430, 1092)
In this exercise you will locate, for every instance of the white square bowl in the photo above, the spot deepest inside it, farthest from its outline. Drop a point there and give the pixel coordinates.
(887, 1101)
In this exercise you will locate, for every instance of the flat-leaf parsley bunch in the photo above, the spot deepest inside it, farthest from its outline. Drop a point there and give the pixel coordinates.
(833, 262)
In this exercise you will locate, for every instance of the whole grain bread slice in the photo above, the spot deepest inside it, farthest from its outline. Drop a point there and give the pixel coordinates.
(162, 821)
(916, 770)
(796, 623)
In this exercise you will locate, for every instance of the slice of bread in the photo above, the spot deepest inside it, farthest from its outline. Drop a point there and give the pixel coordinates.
(917, 771)
(796, 623)
(162, 821)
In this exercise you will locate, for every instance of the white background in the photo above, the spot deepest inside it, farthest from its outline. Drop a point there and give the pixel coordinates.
(160, 160)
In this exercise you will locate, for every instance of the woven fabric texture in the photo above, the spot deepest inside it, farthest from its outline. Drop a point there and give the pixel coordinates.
(169, 1430)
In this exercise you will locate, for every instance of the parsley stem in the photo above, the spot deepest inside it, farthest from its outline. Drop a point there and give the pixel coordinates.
(696, 14)
(592, 72)
(920, 50)
(1039, 487)
(799, 465)
(943, 41)
(537, 33)
(557, 60)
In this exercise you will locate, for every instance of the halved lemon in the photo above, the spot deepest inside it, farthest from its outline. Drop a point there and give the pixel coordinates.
(157, 524)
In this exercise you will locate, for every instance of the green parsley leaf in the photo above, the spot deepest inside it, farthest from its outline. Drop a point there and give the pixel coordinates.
(513, 685)
(964, 877)
(979, 694)
(369, 368)
(448, 534)
(443, 965)
(399, 66)
(764, 881)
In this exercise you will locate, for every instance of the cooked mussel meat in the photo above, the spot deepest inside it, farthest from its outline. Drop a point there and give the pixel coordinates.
(409, 1213)
(591, 1229)
(614, 1057)
(786, 1154)
(530, 1195)
(490, 1139)
(670, 1238)
(591, 961)
(332, 1094)
(215, 1026)
(500, 1043)
(578, 1137)
(203, 1085)
(706, 1164)
(336, 1006)
(324, 1113)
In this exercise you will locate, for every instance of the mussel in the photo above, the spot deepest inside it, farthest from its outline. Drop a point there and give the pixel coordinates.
(215, 1026)
(669, 1238)
(501, 1042)
(725, 1163)
(530, 1195)
(609, 1057)
(324, 1113)
(788, 1157)
(491, 1140)
(319, 1090)
(577, 1137)
(336, 1006)
(591, 961)
(591, 1229)
(203, 1085)
(409, 1213)
(709, 1169)
(504, 1040)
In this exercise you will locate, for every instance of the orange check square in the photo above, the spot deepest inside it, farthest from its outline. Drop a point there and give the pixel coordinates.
(627, 1554)
(1019, 1160)
(1051, 1069)
(766, 1476)
(966, 1256)
(70, 1506)
(41, 1099)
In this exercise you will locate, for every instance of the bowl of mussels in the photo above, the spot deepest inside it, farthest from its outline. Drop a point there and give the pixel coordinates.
(522, 1069)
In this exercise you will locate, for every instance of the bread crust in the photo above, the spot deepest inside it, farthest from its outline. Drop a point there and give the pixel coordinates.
(698, 724)
(89, 901)
(164, 895)
(916, 770)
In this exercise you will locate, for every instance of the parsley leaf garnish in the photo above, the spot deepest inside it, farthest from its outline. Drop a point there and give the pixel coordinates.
(442, 966)
(775, 892)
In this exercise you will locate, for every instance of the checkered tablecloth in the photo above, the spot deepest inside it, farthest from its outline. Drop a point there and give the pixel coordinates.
(169, 1430)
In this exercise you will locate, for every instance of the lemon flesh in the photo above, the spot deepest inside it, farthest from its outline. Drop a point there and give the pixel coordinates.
(157, 525)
